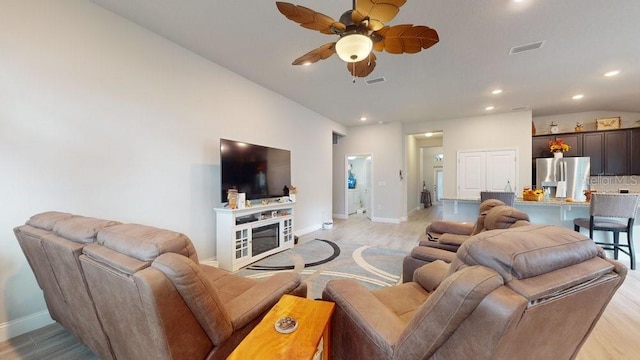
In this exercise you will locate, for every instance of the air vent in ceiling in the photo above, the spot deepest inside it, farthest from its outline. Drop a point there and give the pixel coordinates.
(519, 108)
(375, 81)
(526, 47)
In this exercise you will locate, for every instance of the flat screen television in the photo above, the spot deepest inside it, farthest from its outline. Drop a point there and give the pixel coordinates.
(258, 171)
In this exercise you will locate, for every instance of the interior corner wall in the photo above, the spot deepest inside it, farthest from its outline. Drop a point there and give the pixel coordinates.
(498, 131)
(100, 117)
(385, 144)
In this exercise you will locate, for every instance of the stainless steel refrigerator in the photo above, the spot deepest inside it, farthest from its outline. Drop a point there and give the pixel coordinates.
(563, 177)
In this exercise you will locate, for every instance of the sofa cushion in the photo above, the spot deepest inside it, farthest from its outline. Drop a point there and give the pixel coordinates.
(145, 242)
(526, 251)
(47, 220)
(81, 229)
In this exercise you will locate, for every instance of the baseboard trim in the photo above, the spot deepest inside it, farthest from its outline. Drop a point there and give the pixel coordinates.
(307, 230)
(13, 328)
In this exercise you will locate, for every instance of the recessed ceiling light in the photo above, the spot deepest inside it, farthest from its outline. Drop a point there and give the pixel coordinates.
(496, 91)
(490, 107)
(518, 0)
(364, 118)
(307, 63)
(429, 134)
(577, 97)
(612, 73)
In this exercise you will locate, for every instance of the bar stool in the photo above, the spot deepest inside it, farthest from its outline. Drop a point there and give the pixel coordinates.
(603, 208)
(426, 198)
(506, 197)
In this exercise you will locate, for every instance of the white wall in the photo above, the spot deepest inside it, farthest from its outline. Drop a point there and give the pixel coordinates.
(386, 145)
(413, 175)
(102, 118)
(499, 131)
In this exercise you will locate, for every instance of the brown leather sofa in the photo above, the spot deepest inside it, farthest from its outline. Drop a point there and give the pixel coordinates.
(443, 245)
(131, 291)
(531, 292)
(52, 243)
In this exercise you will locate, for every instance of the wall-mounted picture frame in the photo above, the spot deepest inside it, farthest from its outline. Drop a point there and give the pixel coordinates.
(608, 123)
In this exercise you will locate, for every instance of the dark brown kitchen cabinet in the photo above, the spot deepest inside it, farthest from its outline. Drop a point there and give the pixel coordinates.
(612, 152)
(593, 147)
(540, 146)
(634, 152)
(616, 152)
(574, 141)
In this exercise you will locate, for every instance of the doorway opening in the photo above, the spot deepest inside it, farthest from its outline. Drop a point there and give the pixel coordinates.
(432, 164)
(438, 180)
(358, 194)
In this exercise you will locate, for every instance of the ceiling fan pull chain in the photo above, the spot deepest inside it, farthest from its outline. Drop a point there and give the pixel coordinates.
(353, 72)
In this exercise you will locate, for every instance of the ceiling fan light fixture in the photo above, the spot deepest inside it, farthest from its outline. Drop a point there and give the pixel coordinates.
(354, 47)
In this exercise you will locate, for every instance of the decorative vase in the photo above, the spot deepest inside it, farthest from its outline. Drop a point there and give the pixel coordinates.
(557, 154)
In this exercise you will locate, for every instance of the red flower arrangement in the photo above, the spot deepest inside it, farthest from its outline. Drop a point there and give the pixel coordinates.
(558, 145)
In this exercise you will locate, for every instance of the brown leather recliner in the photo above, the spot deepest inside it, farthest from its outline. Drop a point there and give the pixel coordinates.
(156, 301)
(493, 215)
(449, 235)
(531, 292)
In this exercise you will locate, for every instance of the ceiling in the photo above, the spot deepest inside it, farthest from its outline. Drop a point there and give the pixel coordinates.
(583, 39)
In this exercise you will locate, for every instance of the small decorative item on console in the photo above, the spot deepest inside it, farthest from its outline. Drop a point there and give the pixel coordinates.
(232, 197)
(579, 127)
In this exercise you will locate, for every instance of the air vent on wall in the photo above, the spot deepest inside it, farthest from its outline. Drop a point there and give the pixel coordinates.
(375, 81)
(526, 47)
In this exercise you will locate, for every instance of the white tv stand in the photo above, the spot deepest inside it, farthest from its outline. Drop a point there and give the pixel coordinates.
(235, 229)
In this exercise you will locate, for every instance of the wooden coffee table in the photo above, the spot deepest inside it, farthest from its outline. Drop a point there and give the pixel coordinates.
(310, 338)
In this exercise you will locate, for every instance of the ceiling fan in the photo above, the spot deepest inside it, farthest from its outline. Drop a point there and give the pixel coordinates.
(360, 30)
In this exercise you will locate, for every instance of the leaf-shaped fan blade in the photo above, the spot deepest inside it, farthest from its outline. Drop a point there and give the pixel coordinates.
(405, 39)
(363, 68)
(315, 55)
(308, 18)
(381, 10)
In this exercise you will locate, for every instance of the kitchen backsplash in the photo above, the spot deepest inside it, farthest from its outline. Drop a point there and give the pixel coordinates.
(613, 184)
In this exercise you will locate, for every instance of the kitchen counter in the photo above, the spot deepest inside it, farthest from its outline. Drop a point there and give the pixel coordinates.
(556, 212)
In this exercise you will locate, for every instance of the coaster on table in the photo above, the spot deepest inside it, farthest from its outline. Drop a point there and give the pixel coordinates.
(286, 325)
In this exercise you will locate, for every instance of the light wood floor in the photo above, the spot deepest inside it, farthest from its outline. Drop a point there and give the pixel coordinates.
(615, 337)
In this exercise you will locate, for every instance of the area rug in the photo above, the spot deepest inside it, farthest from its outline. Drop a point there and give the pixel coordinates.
(318, 261)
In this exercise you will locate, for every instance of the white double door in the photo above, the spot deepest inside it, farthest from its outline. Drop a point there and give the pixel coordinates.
(488, 170)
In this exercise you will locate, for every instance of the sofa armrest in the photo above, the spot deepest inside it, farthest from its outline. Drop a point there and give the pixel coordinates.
(260, 298)
(430, 254)
(453, 239)
(363, 320)
(431, 275)
(450, 227)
